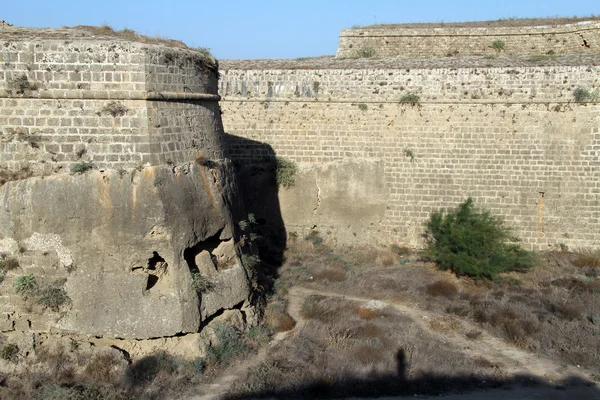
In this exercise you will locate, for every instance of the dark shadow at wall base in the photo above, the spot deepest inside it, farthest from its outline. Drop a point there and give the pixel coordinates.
(255, 165)
(522, 387)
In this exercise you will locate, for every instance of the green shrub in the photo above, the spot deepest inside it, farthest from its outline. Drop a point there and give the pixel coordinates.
(115, 109)
(52, 296)
(20, 84)
(498, 45)
(365, 52)
(205, 51)
(81, 167)
(200, 283)
(582, 95)
(8, 264)
(9, 352)
(410, 98)
(229, 345)
(286, 171)
(314, 237)
(363, 107)
(25, 286)
(471, 242)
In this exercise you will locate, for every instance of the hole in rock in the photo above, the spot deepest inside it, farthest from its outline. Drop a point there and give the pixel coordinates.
(152, 281)
(154, 260)
(209, 244)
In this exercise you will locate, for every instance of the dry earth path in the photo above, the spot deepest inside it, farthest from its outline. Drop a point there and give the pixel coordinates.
(512, 360)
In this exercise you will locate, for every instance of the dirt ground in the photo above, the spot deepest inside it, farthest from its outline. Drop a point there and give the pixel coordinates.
(383, 324)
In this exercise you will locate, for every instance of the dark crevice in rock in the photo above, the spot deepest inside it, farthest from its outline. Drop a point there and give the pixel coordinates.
(154, 260)
(209, 244)
(156, 268)
(152, 281)
(125, 354)
(220, 312)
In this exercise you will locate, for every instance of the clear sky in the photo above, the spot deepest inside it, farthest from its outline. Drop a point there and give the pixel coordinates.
(271, 28)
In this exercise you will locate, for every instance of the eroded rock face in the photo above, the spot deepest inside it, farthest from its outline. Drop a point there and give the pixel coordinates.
(125, 247)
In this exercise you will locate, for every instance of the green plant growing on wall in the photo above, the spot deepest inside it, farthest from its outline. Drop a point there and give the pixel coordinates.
(315, 86)
(8, 264)
(80, 168)
(52, 296)
(474, 243)
(363, 107)
(498, 45)
(365, 52)
(285, 172)
(115, 109)
(201, 283)
(248, 226)
(20, 84)
(10, 352)
(205, 51)
(410, 154)
(410, 98)
(229, 345)
(582, 95)
(25, 286)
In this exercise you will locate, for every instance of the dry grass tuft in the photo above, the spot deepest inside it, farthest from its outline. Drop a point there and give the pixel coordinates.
(279, 320)
(368, 355)
(473, 335)
(367, 313)
(445, 324)
(567, 311)
(105, 368)
(587, 258)
(368, 331)
(442, 288)
(319, 308)
(331, 274)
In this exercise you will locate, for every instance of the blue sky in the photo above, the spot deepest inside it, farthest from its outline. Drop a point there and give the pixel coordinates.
(268, 28)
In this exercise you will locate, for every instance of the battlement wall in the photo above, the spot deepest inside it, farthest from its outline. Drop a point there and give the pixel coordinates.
(115, 103)
(373, 168)
(442, 40)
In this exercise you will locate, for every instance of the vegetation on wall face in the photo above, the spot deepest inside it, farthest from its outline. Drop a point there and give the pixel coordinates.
(498, 45)
(473, 242)
(583, 95)
(365, 52)
(80, 168)
(410, 98)
(286, 171)
(19, 85)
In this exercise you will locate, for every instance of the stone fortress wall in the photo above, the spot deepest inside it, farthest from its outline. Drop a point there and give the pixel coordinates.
(66, 99)
(124, 241)
(506, 131)
(466, 39)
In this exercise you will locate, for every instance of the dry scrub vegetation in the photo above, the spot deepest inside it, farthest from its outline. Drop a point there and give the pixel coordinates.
(66, 369)
(346, 347)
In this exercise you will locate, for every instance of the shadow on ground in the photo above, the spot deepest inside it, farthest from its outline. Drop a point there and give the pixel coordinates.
(471, 387)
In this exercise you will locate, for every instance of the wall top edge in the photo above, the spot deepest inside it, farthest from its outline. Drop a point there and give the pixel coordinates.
(85, 36)
(426, 63)
(392, 30)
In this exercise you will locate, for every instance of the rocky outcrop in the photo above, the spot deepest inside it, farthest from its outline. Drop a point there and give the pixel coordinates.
(139, 254)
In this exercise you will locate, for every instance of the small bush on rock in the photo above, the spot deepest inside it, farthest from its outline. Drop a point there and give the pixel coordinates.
(25, 286)
(52, 296)
(229, 345)
(286, 171)
(9, 352)
(471, 242)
